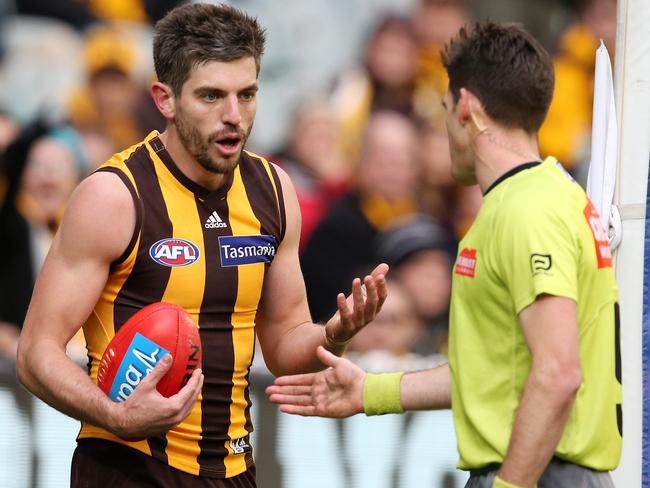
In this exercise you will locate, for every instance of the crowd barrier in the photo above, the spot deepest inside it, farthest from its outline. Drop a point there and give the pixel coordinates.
(391, 451)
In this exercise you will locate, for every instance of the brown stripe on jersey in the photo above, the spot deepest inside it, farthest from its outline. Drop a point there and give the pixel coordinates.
(215, 329)
(148, 280)
(261, 194)
(278, 188)
(146, 283)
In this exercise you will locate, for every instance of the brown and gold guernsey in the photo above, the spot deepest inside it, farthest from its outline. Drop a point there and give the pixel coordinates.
(207, 252)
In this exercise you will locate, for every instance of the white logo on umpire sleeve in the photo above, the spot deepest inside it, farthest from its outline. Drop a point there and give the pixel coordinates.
(215, 222)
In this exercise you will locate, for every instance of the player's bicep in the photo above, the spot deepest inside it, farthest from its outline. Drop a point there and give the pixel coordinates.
(284, 299)
(96, 229)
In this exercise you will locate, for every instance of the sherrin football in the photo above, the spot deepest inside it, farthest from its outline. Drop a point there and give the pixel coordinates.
(137, 346)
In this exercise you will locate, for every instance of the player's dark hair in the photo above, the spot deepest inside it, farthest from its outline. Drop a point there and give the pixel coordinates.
(506, 68)
(193, 34)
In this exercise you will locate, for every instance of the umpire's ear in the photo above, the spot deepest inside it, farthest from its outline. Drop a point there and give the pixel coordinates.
(470, 110)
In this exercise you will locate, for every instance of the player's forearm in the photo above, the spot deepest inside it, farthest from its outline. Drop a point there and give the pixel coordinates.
(295, 351)
(426, 390)
(539, 424)
(46, 371)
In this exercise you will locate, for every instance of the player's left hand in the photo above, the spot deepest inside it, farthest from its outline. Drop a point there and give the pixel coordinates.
(358, 309)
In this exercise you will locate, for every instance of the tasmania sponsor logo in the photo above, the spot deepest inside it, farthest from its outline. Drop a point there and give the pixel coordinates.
(601, 240)
(174, 252)
(140, 358)
(238, 250)
(466, 263)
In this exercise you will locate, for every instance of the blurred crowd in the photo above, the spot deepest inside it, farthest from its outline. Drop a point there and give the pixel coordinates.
(350, 106)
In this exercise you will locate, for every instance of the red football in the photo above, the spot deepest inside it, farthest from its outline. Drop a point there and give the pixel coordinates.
(137, 346)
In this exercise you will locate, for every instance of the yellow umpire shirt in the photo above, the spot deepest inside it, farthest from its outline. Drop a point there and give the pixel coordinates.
(536, 233)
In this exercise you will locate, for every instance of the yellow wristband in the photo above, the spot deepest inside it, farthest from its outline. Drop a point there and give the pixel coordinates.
(381, 393)
(499, 483)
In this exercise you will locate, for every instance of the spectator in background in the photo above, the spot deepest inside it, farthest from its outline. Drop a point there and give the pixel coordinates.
(385, 81)
(438, 190)
(148, 11)
(112, 103)
(9, 130)
(393, 342)
(420, 253)
(315, 163)
(83, 13)
(395, 329)
(73, 12)
(534, 313)
(42, 168)
(567, 130)
(467, 203)
(383, 192)
(434, 23)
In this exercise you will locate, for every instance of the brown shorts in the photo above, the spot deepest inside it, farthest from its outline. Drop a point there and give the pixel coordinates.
(97, 463)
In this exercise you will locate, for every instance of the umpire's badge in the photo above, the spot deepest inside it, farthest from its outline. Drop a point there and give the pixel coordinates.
(540, 263)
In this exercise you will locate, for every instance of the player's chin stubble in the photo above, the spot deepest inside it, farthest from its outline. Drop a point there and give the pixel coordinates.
(199, 147)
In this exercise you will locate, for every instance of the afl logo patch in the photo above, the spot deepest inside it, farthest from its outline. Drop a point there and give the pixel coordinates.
(174, 252)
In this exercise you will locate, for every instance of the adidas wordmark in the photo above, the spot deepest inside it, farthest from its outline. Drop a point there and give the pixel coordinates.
(215, 222)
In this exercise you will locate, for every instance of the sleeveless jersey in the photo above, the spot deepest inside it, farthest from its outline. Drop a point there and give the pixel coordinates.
(207, 252)
(536, 233)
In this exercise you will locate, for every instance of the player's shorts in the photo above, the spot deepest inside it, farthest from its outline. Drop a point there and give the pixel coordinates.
(558, 474)
(99, 463)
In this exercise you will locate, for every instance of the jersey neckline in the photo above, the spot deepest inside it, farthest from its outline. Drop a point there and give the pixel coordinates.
(511, 172)
(199, 190)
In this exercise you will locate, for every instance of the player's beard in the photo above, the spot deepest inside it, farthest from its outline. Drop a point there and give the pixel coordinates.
(199, 147)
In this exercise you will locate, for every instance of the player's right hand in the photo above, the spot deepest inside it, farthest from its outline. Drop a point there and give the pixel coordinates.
(146, 413)
(335, 392)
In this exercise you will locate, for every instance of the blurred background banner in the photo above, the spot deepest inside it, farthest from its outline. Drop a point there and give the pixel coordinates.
(395, 451)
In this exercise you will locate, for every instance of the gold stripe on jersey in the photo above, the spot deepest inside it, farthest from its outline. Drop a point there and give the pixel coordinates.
(182, 444)
(99, 329)
(249, 286)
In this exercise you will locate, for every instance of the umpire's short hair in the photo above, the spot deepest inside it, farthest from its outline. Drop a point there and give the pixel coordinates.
(506, 68)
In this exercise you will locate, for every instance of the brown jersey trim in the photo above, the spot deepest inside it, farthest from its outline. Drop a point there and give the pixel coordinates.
(280, 193)
(138, 212)
(159, 148)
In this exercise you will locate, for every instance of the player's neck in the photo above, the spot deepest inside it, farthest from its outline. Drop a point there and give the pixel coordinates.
(188, 165)
(500, 150)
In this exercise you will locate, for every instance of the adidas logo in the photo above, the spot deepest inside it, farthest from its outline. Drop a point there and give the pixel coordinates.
(215, 222)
